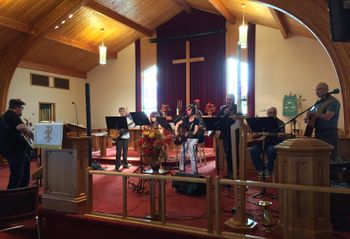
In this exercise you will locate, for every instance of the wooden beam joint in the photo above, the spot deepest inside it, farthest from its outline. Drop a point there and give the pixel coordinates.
(220, 7)
(279, 19)
(118, 17)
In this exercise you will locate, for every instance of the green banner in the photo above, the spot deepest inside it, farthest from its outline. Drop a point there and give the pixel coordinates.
(290, 105)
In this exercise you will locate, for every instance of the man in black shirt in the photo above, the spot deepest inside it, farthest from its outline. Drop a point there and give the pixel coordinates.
(227, 110)
(269, 147)
(15, 147)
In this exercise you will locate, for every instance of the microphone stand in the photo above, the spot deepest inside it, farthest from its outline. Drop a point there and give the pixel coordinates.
(299, 114)
(76, 116)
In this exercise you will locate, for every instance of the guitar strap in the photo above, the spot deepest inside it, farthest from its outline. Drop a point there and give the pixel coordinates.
(323, 106)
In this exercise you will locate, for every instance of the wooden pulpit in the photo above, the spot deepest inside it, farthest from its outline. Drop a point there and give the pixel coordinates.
(304, 215)
(65, 186)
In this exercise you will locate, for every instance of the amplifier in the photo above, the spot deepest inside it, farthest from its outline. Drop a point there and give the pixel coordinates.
(193, 189)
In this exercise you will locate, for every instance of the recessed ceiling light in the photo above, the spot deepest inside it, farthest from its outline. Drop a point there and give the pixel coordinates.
(56, 27)
(63, 21)
(70, 16)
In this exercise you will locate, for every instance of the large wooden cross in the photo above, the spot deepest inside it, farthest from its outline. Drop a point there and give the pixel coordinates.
(188, 60)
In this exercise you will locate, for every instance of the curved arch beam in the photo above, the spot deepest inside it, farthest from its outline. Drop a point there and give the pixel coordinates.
(314, 15)
(14, 52)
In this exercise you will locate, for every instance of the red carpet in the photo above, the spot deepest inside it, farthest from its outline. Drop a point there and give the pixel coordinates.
(134, 156)
(181, 209)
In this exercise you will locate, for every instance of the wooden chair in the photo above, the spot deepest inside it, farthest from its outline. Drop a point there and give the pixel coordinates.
(18, 206)
(201, 154)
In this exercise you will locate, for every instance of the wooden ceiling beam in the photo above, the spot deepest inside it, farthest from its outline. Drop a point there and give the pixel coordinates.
(279, 20)
(51, 69)
(220, 7)
(51, 19)
(184, 5)
(71, 42)
(78, 44)
(117, 17)
(16, 25)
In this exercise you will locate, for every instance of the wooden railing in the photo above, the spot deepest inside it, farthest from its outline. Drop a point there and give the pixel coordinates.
(209, 181)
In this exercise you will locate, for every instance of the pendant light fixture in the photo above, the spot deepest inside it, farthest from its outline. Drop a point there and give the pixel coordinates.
(243, 30)
(103, 51)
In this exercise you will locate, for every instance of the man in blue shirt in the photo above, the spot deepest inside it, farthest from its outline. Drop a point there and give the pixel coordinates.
(326, 112)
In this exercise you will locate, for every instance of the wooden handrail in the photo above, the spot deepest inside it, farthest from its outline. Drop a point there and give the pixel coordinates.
(285, 186)
(217, 182)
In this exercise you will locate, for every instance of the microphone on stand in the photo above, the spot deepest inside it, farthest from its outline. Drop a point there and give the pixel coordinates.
(333, 92)
(76, 116)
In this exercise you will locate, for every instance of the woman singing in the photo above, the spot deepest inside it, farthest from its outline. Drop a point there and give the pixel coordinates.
(190, 125)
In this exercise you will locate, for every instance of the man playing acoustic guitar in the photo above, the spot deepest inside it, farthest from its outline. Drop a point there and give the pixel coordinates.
(324, 117)
(14, 146)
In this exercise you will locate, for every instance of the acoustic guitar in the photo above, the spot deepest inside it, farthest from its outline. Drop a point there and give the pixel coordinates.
(313, 117)
(181, 137)
(114, 133)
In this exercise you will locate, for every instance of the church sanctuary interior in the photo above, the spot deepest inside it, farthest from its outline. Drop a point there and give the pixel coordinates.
(178, 118)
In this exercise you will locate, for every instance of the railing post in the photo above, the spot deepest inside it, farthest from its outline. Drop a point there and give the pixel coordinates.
(125, 201)
(217, 205)
(162, 201)
(89, 188)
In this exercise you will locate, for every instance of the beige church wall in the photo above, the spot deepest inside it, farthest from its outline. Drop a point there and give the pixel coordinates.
(112, 86)
(293, 65)
(21, 87)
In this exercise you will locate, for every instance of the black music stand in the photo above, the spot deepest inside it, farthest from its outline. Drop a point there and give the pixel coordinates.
(164, 123)
(211, 123)
(178, 118)
(266, 126)
(116, 122)
(140, 118)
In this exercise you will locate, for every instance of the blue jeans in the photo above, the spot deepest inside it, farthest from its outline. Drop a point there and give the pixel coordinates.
(255, 154)
(188, 146)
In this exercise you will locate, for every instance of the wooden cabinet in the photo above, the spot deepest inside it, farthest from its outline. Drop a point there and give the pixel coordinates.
(303, 214)
(65, 186)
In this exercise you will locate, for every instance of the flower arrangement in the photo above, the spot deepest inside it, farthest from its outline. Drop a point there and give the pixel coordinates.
(210, 109)
(153, 145)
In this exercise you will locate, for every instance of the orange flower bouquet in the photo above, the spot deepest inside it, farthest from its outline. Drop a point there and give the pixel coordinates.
(153, 145)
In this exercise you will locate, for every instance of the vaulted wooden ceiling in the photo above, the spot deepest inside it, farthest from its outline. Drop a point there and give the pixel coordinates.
(71, 47)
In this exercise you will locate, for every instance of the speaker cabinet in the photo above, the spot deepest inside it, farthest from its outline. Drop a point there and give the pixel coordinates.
(339, 13)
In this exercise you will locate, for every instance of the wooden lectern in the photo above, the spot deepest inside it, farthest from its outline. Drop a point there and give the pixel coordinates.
(304, 215)
(65, 186)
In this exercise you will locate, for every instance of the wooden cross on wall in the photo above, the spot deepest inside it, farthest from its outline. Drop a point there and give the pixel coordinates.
(188, 60)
